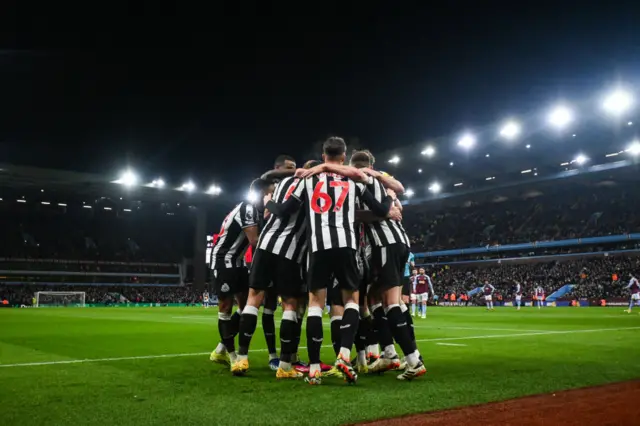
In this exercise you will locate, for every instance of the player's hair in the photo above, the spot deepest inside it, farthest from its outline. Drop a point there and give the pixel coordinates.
(334, 147)
(259, 185)
(311, 163)
(372, 159)
(360, 159)
(281, 159)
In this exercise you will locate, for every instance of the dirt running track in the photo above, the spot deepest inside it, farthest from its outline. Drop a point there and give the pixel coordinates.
(617, 404)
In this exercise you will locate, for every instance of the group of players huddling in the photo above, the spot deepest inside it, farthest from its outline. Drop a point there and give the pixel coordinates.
(325, 233)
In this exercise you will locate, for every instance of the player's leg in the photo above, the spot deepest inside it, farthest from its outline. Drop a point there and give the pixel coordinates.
(300, 311)
(226, 286)
(269, 325)
(259, 281)
(424, 305)
(319, 279)
(364, 329)
(346, 271)
(334, 297)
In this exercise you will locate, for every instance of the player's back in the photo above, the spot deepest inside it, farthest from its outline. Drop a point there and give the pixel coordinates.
(330, 208)
(229, 249)
(284, 236)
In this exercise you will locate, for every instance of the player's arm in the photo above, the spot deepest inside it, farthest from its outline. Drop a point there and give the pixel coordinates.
(415, 283)
(367, 216)
(380, 209)
(290, 205)
(430, 284)
(248, 221)
(347, 171)
(389, 182)
(272, 175)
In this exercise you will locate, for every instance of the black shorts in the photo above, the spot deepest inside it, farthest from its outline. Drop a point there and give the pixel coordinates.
(388, 265)
(406, 286)
(337, 263)
(334, 295)
(230, 281)
(283, 273)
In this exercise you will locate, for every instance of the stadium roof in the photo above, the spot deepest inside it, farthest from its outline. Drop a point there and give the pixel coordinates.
(517, 149)
(17, 180)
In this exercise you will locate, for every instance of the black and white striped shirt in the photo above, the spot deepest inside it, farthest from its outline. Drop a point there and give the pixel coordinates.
(330, 204)
(232, 241)
(285, 235)
(387, 231)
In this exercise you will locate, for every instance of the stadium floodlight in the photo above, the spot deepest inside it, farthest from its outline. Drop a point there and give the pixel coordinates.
(451, 164)
(46, 203)
(630, 123)
(126, 210)
(156, 183)
(419, 170)
(127, 178)
(409, 193)
(429, 151)
(528, 146)
(21, 200)
(435, 187)
(62, 204)
(580, 160)
(510, 130)
(487, 155)
(394, 160)
(560, 117)
(214, 190)
(188, 186)
(457, 184)
(252, 196)
(618, 102)
(634, 148)
(467, 141)
(525, 171)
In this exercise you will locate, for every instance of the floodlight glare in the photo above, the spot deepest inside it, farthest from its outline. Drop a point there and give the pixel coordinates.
(435, 187)
(214, 190)
(394, 160)
(409, 193)
(127, 178)
(618, 102)
(467, 141)
(429, 151)
(580, 159)
(188, 186)
(252, 196)
(560, 117)
(510, 130)
(157, 183)
(634, 148)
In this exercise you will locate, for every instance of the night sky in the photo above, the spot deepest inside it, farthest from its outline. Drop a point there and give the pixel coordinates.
(225, 92)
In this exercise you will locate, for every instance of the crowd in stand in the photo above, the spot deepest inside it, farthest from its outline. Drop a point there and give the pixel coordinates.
(23, 294)
(555, 215)
(592, 277)
(30, 230)
(90, 243)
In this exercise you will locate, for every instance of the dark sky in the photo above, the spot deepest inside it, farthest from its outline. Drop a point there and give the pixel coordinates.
(224, 91)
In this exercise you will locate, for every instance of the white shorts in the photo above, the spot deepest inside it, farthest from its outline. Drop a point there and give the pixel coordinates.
(414, 296)
(487, 298)
(635, 296)
(518, 298)
(423, 297)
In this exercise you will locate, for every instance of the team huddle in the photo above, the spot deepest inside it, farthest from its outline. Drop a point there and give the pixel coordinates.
(324, 234)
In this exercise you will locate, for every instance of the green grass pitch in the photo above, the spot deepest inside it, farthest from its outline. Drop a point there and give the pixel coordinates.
(472, 356)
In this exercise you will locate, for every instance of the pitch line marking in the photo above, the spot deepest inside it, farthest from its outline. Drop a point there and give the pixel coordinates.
(129, 358)
(450, 344)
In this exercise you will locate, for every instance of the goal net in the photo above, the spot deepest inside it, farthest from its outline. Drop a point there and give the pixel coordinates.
(60, 298)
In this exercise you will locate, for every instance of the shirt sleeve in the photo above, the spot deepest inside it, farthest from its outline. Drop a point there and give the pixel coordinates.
(430, 285)
(378, 208)
(248, 216)
(291, 205)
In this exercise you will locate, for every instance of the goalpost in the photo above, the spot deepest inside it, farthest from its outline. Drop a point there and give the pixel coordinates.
(60, 298)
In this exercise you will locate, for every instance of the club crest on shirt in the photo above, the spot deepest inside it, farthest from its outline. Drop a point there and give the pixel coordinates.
(224, 288)
(249, 215)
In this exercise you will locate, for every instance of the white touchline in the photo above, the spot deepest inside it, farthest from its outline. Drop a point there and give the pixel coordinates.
(451, 344)
(129, 358)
